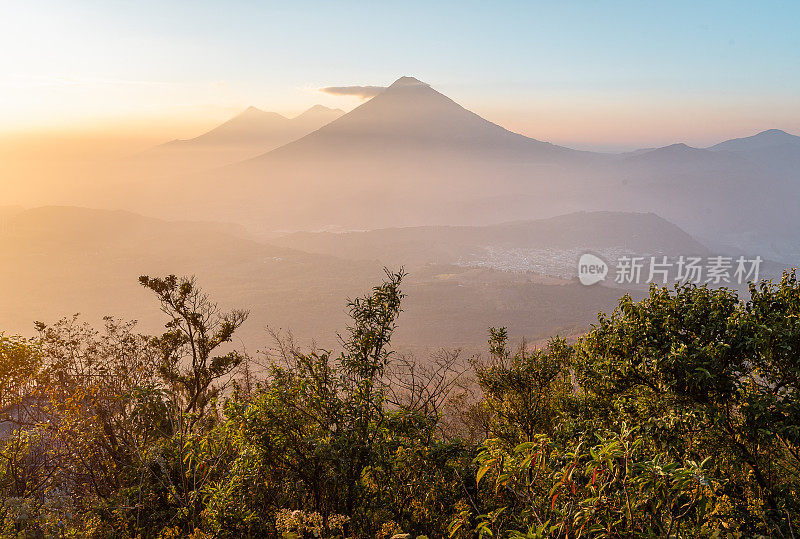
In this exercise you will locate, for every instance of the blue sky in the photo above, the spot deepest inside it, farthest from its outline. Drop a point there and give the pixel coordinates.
(589, 73)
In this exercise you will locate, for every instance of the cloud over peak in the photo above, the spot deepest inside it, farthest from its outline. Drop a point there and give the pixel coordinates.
(363, 92)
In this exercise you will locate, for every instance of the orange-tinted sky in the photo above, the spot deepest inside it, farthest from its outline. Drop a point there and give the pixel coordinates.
(596, 75)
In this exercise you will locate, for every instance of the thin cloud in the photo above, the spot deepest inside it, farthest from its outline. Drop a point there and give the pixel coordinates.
(363, 92)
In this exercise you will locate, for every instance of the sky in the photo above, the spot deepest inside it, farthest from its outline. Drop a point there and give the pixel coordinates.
(597, 75)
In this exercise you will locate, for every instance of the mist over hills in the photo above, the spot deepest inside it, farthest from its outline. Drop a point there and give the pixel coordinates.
(411, 156)
(766, 139)
(489, 222)
(775, 150)
(461, 279)
(547, 247)
(249, 133)
(68, 259)
(726, 198)
(261, 130)
(408, 156)
(683, 158)
(609, 232)
(8, 211)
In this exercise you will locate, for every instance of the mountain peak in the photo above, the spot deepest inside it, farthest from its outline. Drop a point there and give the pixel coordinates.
(253, 114)
(318, 115)
(775, 132)
(679, 148)
(320, 108)
(404, 82)
(764, 139)
(680, 151)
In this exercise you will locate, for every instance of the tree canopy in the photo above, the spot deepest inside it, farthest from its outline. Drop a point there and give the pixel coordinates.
(673, 416)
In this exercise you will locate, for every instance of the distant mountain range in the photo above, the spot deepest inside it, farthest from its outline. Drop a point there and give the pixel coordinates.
(246, 135)
(260, 130)
(411, 156)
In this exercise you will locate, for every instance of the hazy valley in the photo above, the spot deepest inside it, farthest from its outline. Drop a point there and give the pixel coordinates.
(319, 203)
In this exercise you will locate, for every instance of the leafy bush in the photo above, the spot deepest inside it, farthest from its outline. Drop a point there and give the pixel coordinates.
(674, 416)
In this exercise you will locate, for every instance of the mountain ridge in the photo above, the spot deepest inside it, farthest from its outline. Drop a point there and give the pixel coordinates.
(255, 126)
(769, 137)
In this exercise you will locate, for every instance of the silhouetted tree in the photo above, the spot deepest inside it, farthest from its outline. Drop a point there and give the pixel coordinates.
(195, 331)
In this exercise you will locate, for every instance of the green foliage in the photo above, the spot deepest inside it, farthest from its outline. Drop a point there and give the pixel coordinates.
(674, 416)
(195, 330)
(707, 375)
(609, 488)
(524, 393)
(20, 362)
(317, 438)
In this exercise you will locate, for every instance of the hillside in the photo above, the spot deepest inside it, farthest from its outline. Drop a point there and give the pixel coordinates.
(555, 243)
(775, 150)
(67, 259)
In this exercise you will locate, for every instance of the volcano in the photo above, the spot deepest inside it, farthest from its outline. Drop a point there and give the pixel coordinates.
(411, 116)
